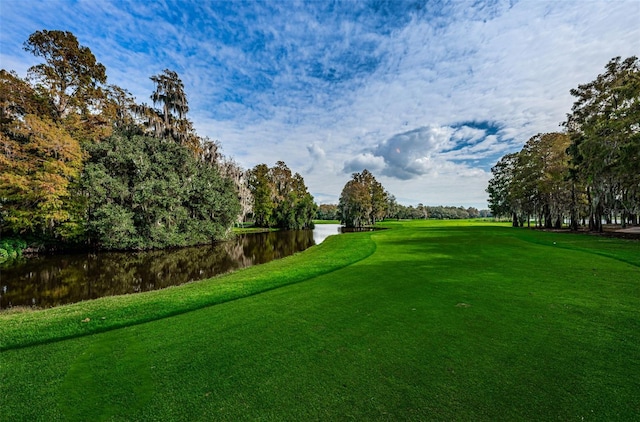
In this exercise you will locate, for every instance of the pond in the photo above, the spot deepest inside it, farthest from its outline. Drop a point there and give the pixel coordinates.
(52, 280)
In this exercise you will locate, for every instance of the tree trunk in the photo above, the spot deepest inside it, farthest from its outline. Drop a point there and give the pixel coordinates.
(592, 212)
(598, 218)
(573, 224)
(547, 217)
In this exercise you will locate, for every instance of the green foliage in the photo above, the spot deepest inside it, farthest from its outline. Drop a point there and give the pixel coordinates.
(590, 171)
(11, 248)
(261, 189)
(327, 212)
(70, 75)
(533, 182)
(435, 212)
(144, 193)
(134, 192)
(38, 162)
(605, 136)
(170, 122)
(280, 199)
(363, 200)
(44, 121)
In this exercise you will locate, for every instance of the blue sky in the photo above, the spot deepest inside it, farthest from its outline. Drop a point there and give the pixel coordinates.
(427, 95)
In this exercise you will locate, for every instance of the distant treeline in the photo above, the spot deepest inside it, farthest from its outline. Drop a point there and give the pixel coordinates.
(397, 211)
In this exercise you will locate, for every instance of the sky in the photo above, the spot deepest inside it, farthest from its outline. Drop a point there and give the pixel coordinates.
(426, 95)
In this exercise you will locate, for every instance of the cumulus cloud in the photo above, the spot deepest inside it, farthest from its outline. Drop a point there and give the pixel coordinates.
(410, 154)
(433, 150)
(364, 161)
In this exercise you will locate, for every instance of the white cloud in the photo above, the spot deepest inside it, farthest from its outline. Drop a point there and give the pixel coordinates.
(364, 161)
(413, 153)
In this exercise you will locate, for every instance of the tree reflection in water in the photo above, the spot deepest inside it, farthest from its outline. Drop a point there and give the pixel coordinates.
(49, 281)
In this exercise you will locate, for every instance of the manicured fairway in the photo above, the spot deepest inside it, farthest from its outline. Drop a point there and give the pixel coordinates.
(426, 321)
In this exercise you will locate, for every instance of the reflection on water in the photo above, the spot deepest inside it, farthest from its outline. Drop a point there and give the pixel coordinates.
(48, 281)
(322, 231)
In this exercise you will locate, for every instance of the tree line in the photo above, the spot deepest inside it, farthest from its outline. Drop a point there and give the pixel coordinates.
(82, 163)
(409, 212)
(438, 212)
(587, 174)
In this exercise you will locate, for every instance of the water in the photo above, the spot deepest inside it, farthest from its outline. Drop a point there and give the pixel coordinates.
(48, 281)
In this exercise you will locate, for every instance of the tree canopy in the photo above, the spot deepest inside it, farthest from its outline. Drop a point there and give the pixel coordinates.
(170, 121)
(363, 201)
(70, 75)
(280, 199)
(590, 171)
(146, 193)
(81, 161)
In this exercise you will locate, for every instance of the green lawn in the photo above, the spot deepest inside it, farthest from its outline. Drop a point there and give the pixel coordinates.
(426, 321)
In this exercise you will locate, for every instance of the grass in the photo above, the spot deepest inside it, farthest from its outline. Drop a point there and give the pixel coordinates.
(24, 328)
(250, 228)
(427, 321)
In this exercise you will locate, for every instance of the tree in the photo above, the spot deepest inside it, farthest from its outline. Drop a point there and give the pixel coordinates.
(18, 98)
(393, 209)
(119, 107)
(144, 193)
(71, 76)
(135, 191)
(261, 189)
(38, 161)
(327, 212)
(302, 200)
(170, 94)
(595, 165)
(170, 122)
(502, 201)
(541, 179)
(605, 139)
(232, 171)
(354, 204)
(423, 211)
(363, 200)
(280, 199)
(534, 181)
(71, 82)
(378, 198)
(473, 212)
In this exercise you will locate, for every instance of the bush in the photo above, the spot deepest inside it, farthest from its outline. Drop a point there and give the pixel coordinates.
(11, 248)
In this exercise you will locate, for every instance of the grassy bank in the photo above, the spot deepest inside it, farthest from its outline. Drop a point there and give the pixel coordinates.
(25, 327)
(427, 321)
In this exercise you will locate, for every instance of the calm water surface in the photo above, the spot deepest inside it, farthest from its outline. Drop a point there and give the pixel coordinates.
(48, 281)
